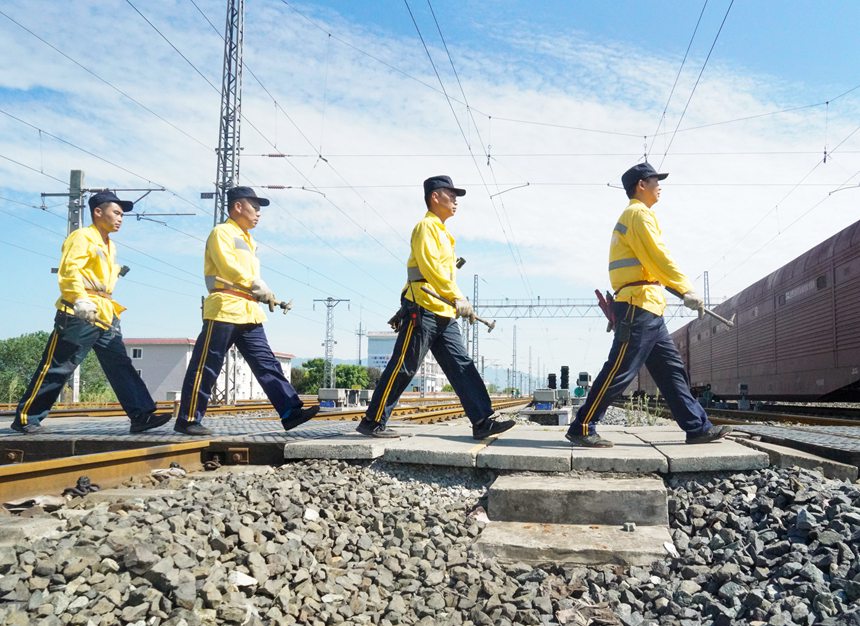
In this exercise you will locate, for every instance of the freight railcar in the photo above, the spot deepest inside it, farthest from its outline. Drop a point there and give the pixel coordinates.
(796, 334)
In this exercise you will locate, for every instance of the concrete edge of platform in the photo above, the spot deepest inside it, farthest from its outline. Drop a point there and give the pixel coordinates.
(784, 456)
(537, 544)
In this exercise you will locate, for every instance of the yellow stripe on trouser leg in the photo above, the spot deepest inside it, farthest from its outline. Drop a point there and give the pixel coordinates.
(52, 344)
(192, 405)
(606, 383)
(395, 372)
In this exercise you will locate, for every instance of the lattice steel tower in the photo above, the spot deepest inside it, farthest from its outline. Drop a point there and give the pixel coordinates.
(231, 109)
(330, 303)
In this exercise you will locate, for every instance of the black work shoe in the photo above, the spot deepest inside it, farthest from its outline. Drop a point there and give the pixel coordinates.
(716, 432)
(148, 422)
(27, 429)
(372, 429)
(588, 441)
(491, 427)
(299, 416)
(191, 428)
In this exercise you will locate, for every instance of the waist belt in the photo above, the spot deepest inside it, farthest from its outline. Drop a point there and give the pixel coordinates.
(636, 283)
(234, 292)
(96, 292)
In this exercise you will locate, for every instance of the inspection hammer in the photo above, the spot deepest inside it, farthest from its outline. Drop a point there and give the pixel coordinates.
(285, 306)
(490, 325)
(730, 322)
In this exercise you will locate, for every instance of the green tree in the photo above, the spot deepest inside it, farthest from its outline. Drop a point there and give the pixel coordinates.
(351, 376)
(297, 378)
(312, 378)
(492, 388)
(373, 376)
(94, 384)
(447, 387)
(20, 356)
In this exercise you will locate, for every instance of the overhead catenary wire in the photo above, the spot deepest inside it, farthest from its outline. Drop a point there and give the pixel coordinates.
(677, 76)
(318, 154)
(465, 138)
(486, 151)
(106, 82)
(776, 206)
(696, 84)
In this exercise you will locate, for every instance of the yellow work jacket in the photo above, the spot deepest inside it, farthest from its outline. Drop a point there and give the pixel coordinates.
(432, 257)
(231, 254)
(88, 269)
(637, 252)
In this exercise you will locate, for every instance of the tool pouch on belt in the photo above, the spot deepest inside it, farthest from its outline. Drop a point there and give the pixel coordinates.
(605, 303)
(396, 320)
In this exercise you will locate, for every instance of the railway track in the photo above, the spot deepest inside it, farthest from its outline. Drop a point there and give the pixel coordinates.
(23, 480)
(113, 409)
(810, 415)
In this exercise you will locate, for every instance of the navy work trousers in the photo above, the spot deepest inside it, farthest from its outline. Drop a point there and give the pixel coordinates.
(421, 331)
(641, 339)
(207, 358)
(68, 345)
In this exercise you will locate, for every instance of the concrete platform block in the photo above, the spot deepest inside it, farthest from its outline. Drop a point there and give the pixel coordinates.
(538, 544)
(575, 500)
(443, 444)
(783, 456)
(717, 456)
(528, 448)
(347, 447)
(630, 454)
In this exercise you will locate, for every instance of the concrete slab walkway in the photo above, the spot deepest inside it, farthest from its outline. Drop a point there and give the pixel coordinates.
(639, 449)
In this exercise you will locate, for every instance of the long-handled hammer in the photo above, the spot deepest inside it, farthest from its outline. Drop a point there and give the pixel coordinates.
(490, 325)
(730, 323)
(285, 306)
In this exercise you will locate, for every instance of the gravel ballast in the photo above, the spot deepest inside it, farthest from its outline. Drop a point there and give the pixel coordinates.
(331, 542)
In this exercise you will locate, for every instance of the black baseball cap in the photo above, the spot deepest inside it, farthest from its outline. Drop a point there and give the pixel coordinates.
(441, 182)
(640, 171)
(101, 197)
(237, 193)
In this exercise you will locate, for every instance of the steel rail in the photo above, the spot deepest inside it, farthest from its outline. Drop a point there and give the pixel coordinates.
(106, 469)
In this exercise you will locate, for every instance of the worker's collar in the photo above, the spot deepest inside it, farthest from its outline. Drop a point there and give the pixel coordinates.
(233, 223)
(638, 203)
(435, 217)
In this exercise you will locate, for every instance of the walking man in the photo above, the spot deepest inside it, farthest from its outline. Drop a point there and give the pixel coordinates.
(428, 323)
(232, 316)
(639, 268)
(88, 319)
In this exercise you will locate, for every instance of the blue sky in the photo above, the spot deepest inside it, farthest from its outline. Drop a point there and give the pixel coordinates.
(561, 92)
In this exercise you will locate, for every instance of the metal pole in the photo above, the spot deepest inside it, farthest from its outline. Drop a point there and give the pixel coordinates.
(475, 325)
(227, 174)
(328, 372)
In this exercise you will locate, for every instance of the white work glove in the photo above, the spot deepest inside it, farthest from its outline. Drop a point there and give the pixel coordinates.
(694, 301)
(85, 310)
(260, 290)
(465, 309)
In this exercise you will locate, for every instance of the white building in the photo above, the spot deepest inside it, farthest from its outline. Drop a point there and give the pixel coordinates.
(429, 377)
(162, 364)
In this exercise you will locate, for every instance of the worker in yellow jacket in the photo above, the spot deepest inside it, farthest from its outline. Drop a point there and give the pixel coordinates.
(427, 323)
(232, 316)
(88, 319)
(640, 267)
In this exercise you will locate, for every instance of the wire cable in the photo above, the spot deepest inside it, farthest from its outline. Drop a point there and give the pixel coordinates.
(466, 139)
(677, 76)
(698, 78)
(105, 81)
